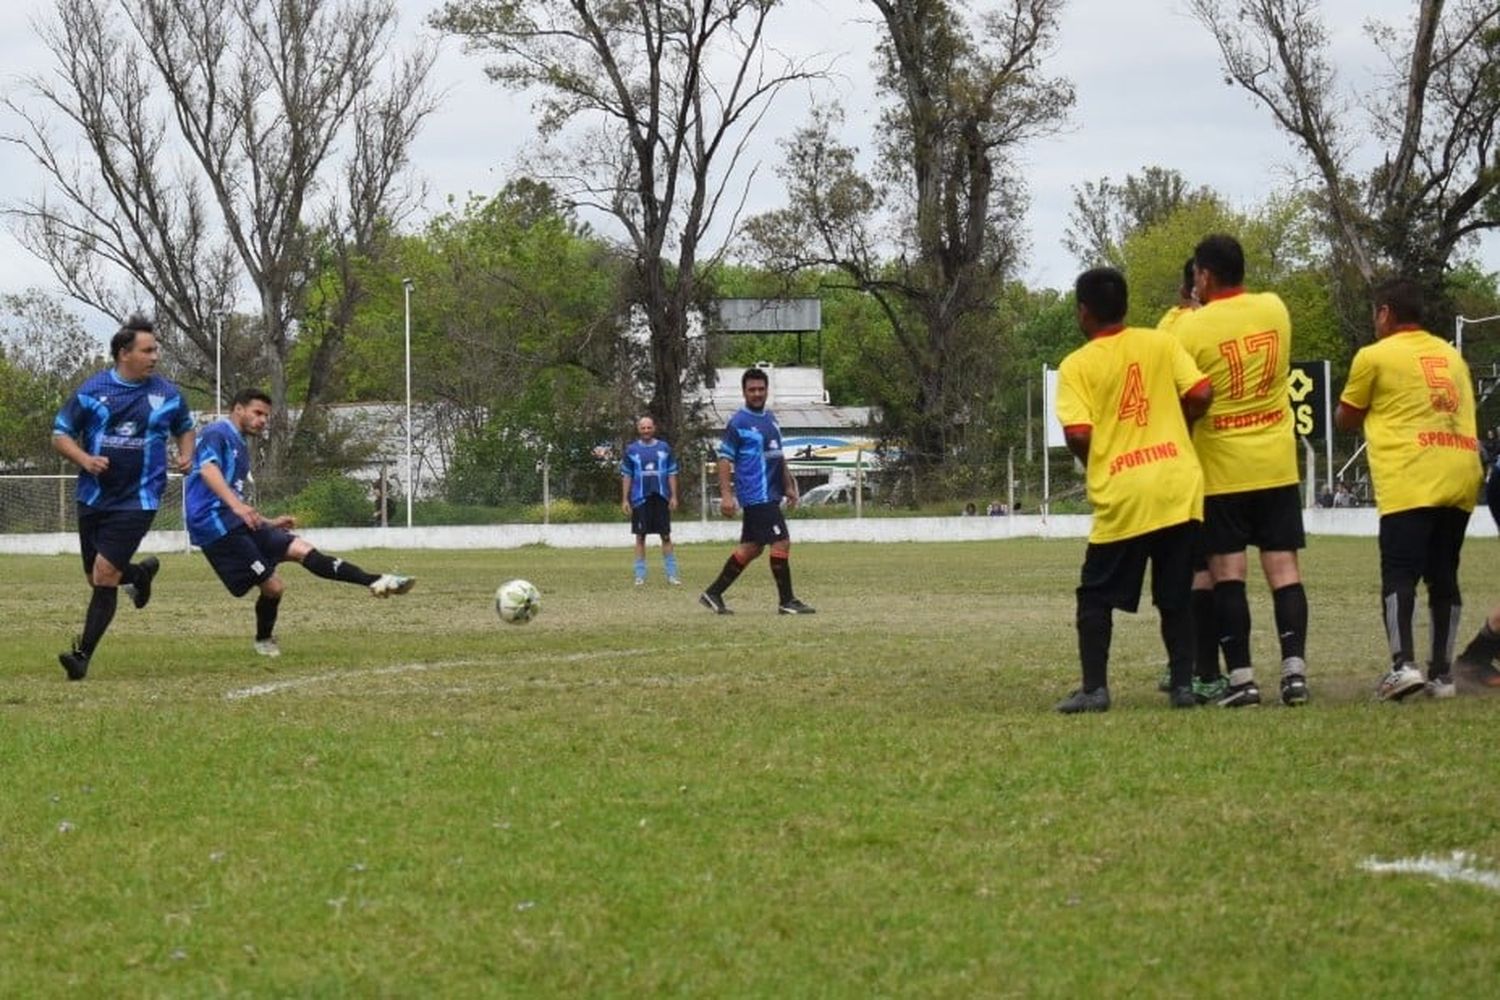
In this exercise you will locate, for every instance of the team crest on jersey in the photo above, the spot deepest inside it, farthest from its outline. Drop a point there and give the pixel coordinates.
(155, 400)
(125, 428)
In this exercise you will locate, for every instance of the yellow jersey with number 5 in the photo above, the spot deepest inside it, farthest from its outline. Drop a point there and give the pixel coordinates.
(1419, 421)
(1126, 387)
(1243, 340)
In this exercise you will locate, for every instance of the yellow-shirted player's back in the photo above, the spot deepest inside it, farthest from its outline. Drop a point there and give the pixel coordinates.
(1243, 341)
(1420, 422)
(1127, 387)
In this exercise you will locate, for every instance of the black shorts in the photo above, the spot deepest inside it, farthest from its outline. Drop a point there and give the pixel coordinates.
(113, 534)
(1114, 571)
(763, 524)
(244, 558)
(1269, 519)
(1422, 544)
(652, 517)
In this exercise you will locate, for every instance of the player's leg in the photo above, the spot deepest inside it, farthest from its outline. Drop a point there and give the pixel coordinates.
(1279, 535)
(289, 547)
(669, 560)
(1227, 533)
(1404, 537)
(240, 564)
(1105, 583)
(1172, 554)
(781, 571)
(267, 609)
(1477, 661)
(1444, 600)
(755, 534)
(640, 560)
(107, 542)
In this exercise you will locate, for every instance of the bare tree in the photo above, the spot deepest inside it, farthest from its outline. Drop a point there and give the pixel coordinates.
(1435, 118)
(232, 142)
(1105, 214)
(966, 90)
(671, 91)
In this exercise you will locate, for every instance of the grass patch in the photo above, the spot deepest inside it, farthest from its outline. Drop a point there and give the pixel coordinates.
(632, 796)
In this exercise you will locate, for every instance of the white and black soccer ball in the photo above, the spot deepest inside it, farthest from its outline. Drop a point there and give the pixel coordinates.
(517, 602)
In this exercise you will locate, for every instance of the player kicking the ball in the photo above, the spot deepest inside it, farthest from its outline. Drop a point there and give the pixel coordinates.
(242, 546)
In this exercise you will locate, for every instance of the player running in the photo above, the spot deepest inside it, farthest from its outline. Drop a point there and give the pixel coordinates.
(241, 545)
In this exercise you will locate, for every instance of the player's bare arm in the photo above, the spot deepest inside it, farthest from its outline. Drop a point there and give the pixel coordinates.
(672, 500)
(1348, 418)
(1195, 401)
(73, 452)
(1078, 440)
(726, 488)
(185, 444)
(789, 484)
(214, 480)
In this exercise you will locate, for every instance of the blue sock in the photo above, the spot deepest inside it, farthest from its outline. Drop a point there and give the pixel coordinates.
(640, 569)
(670, 561)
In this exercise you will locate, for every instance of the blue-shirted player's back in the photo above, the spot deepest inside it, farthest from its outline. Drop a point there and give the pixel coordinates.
(752, 442)
(129, 424)
(208, 517)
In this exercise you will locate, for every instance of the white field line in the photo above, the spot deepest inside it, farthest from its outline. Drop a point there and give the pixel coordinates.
(1457, 868)
(292, 683)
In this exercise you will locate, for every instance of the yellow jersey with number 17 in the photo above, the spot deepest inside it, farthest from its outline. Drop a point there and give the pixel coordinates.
(1419, 422)
(1243, 340)
(1127, 386)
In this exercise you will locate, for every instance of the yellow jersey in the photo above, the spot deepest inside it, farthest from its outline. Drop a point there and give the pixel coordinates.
(1127, 387)
(1168, 321)
(1418, 400)
(1243, 340)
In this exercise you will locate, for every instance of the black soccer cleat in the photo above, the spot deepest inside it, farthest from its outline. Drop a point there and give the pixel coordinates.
(795, 607)
(1245, 695)
(1293, 690)
(1182, 697)
(76, 662)
(1080, 701)
(714, 603)
(140, 591)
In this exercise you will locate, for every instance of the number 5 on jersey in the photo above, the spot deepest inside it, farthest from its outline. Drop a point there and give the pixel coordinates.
(1133, 402)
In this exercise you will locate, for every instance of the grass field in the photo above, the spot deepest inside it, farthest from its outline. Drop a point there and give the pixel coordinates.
(631, 797)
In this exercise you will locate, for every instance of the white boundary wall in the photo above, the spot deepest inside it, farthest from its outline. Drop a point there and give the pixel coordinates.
(1358, 521)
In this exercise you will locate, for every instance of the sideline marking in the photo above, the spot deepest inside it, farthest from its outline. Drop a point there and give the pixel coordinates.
(291, 683)
(1457, 868)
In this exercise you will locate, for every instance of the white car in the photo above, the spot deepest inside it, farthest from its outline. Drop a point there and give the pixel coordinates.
(831, 494)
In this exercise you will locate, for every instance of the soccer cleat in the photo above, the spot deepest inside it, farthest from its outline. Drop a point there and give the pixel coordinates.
(267, 647)
(674, 581)
(1209, 691)
(1483, 674)
(1440, 686)
(794, 607)
(140, 591)
(640, 581)
(1245, 695)
(714, 603)
(1400, 682)
(1293, 689)
(76, 662)
(1096, 700)
(1183, 697)
(390, 584)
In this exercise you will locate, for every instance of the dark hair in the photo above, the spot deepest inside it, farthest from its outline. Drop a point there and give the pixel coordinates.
(1222, 256)
(754, 375)
(1403, 297)
(1186, 288)
(1103, 293)
(125, 337)
(247, 396)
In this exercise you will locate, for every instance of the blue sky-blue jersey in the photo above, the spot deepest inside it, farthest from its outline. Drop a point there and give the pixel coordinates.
(649, 467)
(752, 442)
(208, 518)
(128, 423)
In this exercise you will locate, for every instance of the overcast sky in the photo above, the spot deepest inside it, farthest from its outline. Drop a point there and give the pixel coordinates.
(1149, 91)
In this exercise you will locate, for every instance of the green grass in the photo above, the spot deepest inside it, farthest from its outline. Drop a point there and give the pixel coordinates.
(630, 796)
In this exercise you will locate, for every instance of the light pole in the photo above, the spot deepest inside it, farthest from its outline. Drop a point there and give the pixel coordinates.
(406, 285)
(218, 364)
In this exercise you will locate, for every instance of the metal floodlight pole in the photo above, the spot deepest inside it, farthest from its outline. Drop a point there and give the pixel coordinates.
(219, 364)
(406, 285)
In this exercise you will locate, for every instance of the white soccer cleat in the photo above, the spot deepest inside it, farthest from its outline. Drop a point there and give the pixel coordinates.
(390, 584)
(1441, 686)
(1400, 682)
(267, 647)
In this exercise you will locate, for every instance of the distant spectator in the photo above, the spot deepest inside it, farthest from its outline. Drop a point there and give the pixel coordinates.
(1342, 497)
(970, 510)
(995, 509)
(1325, 499)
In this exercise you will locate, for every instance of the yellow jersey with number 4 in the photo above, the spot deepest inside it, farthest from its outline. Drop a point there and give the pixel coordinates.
(1419, 421)
(1127, 388)
(1243, 340)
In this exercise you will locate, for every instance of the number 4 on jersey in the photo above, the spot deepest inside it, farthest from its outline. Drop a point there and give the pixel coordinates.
(1133, 402)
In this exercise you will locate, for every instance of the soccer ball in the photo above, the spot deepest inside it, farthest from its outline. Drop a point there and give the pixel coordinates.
(517, 602)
